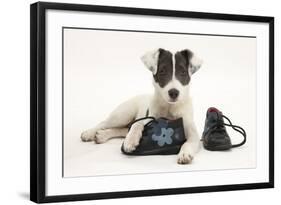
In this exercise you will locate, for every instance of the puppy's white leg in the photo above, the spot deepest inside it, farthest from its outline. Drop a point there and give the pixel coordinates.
(119, 118)
(106, 134)
(133, 137)
(191, 146)
(111, 122)
(90, 134)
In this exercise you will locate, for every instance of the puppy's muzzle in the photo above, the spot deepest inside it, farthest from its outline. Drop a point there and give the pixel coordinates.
(173, 93)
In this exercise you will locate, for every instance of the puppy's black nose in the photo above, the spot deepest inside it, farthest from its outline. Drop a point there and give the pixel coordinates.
(173, 93)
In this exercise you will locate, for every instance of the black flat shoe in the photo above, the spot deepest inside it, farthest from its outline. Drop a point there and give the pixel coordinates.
(215, 136)
(159, 137)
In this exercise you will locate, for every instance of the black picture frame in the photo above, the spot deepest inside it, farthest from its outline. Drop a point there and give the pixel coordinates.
(38, 103)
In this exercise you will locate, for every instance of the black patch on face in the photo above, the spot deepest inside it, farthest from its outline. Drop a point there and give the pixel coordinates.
(182, 65)
(164, 72)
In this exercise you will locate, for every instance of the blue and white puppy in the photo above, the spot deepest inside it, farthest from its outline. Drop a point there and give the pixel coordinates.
(171, 79)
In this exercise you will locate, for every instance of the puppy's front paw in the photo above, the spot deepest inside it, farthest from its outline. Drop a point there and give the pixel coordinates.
(130, 144)
(132, 139)
(185, 157)
(88, 135)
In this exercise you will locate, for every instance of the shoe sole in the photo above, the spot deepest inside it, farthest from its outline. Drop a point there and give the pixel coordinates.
(217, 147)
(162, 151)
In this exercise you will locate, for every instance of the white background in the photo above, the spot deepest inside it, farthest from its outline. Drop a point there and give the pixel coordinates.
(103, 68)
(15, 101)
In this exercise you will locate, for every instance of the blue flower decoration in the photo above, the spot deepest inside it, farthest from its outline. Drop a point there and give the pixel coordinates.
(165, 136)
(161, 123)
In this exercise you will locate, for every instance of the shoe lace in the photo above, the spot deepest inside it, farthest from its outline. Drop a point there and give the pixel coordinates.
(219, 126)
(153, 119)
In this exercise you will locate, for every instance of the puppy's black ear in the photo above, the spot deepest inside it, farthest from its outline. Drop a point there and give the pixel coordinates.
(150, 60)
(194, 61)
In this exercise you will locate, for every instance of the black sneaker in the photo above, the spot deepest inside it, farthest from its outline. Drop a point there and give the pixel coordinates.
(159, 137)
(215, 136)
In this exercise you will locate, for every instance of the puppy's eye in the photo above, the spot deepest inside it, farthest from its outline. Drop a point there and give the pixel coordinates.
(183, 72)
(162, 72)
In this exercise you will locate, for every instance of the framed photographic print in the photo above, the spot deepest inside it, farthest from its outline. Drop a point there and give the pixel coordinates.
(129, 102)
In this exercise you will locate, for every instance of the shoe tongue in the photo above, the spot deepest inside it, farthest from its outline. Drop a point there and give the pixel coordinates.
(213, 109)
(214, 116)
(214, 113)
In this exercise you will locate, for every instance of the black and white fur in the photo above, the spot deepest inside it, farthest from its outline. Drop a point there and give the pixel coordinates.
(171, 79)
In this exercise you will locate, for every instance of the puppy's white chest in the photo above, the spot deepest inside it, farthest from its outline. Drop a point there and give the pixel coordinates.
(174, 114)
(166, 112)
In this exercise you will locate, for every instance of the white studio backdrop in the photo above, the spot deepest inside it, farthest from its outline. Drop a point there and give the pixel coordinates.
(103, 68)
(15, 100)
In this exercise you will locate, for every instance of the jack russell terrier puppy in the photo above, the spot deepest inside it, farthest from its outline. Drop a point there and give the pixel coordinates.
(171, 99)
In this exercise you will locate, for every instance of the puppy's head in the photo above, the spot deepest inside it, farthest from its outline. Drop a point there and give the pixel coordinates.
(172, 72)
